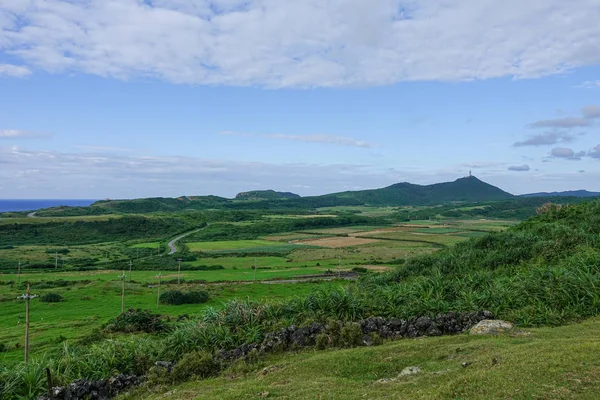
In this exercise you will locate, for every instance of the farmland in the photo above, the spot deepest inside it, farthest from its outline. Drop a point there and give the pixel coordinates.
(237, 258)
(94, 295)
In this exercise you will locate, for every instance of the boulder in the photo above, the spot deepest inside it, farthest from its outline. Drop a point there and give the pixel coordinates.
(410, 371)
(491, 327)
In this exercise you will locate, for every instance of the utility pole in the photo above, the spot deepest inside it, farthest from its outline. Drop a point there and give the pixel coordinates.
(122, 277)
(19, 272)
(56, 260)
(179, 271)
(130, 264)
(339, 266)
(27, 297)
(255, 270)
(138, 253)
(159, 276)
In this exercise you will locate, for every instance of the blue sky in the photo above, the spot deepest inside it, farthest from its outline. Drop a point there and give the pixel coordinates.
(129, 98)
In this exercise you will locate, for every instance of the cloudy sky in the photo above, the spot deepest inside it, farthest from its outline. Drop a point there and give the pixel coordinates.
(138, 98)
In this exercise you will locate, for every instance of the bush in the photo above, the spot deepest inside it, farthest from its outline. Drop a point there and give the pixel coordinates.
(197, 363)
(51, 298)
(351, 335)
(59, 251)
(3, 348)
(137, 321)
(322, 341)
(360, 270)
(175, 297)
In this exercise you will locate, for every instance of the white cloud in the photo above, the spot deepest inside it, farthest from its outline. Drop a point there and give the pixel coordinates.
(16, 71)
(519, 168)
(102, 148)
(546, 138)
(565, 152)
(589, 85)
(311, 138)
(21, 134)
(302, 43)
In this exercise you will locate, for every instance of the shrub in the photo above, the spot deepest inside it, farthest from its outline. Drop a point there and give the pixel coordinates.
(51, 298)
(351, 335)
(322, 341)
(59, 251)
(197, 363)
(360, 270)
(3, 348)
(137, 321)
(376, 339)
(175, 297)
(197, 297)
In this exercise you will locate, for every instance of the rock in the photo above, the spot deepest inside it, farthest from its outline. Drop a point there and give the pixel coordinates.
(395, 324)
(433, 330)
(491, 327)
(409, 371)
(466, 364)
(423, 323)
(164, 364)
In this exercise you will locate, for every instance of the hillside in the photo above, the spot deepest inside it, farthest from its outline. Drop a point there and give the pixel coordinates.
(569, 193)
(547, 363)
(265, 195)
(469, 189)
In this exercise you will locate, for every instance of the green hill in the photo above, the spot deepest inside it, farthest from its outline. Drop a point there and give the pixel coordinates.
(469, 189)
(265, 195)
(464, 190)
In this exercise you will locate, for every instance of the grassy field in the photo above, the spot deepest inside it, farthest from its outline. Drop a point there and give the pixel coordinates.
(94, 298)
(231, 245)
(146, 245)
(547, 363)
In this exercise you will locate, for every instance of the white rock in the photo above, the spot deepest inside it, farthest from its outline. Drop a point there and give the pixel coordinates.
(491, 327)
(410, 371)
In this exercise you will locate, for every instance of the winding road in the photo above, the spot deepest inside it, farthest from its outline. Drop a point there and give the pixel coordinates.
(171, 244)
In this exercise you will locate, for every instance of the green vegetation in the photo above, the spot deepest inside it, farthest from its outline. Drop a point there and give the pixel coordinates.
(51, 298)
(265, 195)
(176, 297)
(544, 271)
(78, 232)
(547, 363)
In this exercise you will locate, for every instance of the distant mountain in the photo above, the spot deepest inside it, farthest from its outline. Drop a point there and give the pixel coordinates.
(569, 193)
(265, 195)
(463, 190)
(468, 189)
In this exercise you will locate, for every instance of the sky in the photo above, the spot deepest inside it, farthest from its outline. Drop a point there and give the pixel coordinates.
(132, 98)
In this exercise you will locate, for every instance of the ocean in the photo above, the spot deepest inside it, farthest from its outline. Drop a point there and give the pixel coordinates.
(32, 205)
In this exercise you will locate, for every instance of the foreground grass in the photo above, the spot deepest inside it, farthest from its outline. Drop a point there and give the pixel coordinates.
(547, 363)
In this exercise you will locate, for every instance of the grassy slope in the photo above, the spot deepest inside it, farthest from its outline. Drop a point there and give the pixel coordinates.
(550, 363)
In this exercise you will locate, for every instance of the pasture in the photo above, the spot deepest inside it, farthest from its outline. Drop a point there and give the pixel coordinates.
(224, 268)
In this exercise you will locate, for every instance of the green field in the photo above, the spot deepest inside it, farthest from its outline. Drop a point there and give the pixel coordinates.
(94, 298)
(146, 245)
(230, 245)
